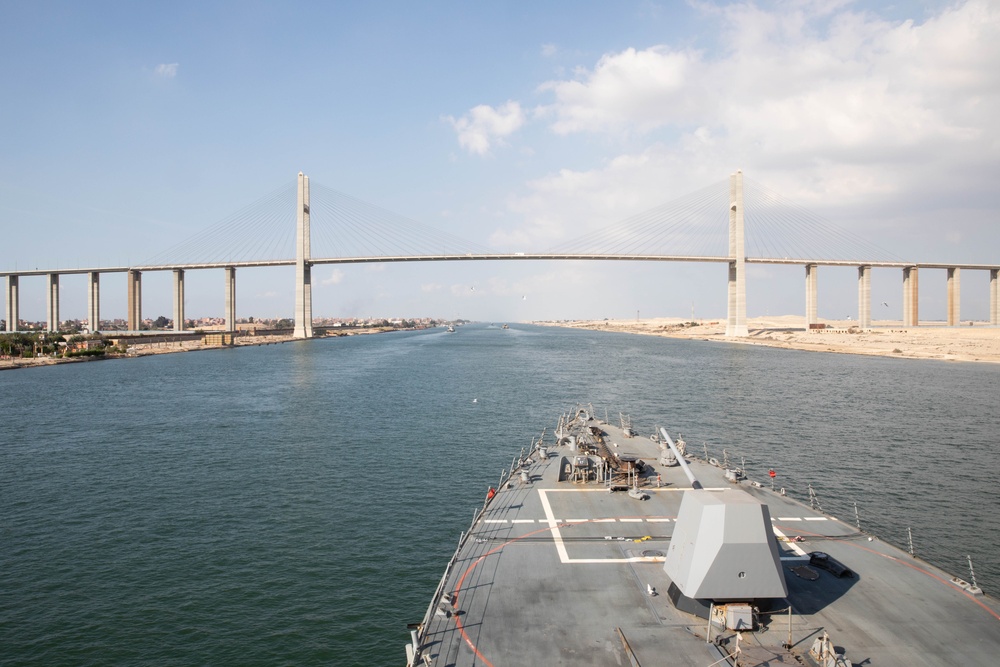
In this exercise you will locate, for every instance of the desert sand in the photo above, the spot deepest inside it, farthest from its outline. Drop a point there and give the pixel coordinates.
(977, 342)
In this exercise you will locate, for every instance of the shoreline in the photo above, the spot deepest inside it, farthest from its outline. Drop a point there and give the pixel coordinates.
(979, 343)
(140, 349)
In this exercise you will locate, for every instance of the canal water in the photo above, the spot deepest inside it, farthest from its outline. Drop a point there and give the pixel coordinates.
(295, 504)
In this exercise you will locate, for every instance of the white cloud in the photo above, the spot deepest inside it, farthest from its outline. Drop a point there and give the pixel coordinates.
(167, 70)
(646, 89)
(549, 50)
(484, 126)
(336, 277)
(827, 105)
(800, 82)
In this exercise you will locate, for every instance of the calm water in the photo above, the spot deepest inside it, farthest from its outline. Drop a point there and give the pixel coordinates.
(295, 504)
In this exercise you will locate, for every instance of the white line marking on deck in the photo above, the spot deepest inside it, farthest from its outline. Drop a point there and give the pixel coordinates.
(554, 527)
(659, 520)
(630, 520)
(795, 547)
(604, 489)
(789, 518)
(816, 518)
(602, 520)
(561, 546)
(522, 521)
(495, 521)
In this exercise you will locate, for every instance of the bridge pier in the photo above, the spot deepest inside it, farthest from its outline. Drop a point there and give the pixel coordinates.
(93, 301)
(52, 302)
(178, 299)
(230, 298)
(994, 297)
(134, 300)
(303, 269)
(954, 296)
(736, 322)
(14, 303)
(865, 297)
(812, 295)
(911, 300)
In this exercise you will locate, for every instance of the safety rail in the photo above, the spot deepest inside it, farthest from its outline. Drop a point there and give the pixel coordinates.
(420, 633)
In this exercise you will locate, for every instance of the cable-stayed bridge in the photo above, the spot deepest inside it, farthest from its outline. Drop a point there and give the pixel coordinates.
(734, 222)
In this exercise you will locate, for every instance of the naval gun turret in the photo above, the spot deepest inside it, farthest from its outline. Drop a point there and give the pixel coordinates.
(722, 553)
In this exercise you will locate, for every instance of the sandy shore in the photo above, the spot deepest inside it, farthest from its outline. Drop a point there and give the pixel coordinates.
(887, 339)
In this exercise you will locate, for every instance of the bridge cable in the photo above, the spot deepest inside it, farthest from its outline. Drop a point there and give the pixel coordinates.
(344, 226)
(680, 227)
(255, 232)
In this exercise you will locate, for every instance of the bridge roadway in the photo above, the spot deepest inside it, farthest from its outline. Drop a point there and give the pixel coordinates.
(910, 270)
(494, 257)
(304, 261)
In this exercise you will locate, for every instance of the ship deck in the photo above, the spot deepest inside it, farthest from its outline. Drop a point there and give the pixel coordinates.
(559, 573)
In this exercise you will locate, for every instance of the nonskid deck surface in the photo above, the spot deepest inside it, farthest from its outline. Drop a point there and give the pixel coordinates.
(553, 569)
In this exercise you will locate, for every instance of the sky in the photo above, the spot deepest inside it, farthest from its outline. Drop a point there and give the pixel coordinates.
(129, 127)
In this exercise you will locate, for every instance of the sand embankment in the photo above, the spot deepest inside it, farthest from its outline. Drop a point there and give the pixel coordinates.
(980, 342)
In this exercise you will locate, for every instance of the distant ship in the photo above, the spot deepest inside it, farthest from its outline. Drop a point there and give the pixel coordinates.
(601, 547)
(505, 327)
(450, 329)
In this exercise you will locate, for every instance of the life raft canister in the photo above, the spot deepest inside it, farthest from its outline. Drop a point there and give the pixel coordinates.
(489, 494)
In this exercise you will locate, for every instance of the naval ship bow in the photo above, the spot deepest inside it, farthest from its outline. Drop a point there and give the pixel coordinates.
(608, 548)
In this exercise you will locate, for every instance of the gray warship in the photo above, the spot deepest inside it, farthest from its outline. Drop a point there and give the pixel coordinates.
(603, 547)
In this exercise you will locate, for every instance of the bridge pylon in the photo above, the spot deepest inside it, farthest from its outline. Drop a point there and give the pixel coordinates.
(736, 324)
(303, 269)
(13, 302)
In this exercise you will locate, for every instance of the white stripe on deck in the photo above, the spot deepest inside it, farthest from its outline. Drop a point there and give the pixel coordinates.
(647, 489)
(561, 546)
(522, 521)
(795, 547)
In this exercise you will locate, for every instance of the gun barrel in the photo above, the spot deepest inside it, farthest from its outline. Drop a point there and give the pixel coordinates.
(695, 484)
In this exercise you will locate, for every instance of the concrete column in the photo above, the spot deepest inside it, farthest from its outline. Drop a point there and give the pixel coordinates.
(911, 297)
(994, 297)
(52, 302)
(303, 270)
(812, 295)
(134, 300)
(954, 297)
(230, 298)
(178, 299)
(731, 300)
(14, 302)
(865, 297)
(94, 301)
(736, 324)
